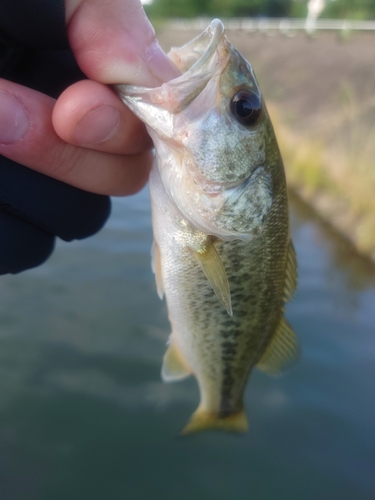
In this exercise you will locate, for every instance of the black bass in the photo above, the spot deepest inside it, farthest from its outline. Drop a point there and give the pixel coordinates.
(222, 252)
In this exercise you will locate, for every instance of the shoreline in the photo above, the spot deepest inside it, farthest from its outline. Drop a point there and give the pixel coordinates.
(312, 184)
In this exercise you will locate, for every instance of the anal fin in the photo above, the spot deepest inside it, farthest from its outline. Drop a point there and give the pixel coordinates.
(214, 270)
(282, 352)
(174, 367)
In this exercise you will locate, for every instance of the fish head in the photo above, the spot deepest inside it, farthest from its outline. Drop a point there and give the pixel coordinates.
(216, 151)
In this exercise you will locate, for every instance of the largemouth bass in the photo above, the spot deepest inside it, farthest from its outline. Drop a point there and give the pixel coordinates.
(222, 252)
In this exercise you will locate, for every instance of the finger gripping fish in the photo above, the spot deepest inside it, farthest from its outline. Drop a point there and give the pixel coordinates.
(222, 253)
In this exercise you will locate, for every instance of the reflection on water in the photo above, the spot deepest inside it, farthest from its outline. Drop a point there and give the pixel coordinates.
(357, 271)
(83, 413)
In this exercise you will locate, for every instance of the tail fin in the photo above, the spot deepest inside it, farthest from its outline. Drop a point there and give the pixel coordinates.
(202, 421)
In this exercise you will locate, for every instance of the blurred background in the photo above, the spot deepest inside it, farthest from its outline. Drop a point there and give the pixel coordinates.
(83, 412)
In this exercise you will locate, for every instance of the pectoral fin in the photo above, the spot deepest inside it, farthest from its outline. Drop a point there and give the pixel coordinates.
(174, 367)
(282, 352)
(291, 273)
(156, 268)
(214, 270)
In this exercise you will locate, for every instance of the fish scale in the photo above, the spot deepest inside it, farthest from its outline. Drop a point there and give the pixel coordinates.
(222, 251)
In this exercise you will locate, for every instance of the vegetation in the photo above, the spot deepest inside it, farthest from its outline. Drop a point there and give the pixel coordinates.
(343, 9)
(336, 176)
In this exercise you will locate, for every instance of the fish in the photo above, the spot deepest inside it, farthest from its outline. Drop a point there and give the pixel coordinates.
(222, 252)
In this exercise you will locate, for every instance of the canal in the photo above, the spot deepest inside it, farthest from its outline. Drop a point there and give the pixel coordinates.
(84, 415)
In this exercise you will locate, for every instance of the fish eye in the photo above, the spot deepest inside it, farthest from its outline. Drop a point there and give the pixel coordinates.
(246, 107)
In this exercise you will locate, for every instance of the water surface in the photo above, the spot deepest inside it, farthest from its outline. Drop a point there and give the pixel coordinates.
(83, 413)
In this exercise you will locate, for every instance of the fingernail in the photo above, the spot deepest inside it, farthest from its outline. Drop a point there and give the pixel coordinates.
(159, 64)
(97, 126)
(14, 120)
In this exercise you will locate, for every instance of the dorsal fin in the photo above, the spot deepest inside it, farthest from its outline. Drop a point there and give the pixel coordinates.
(174, 367)
(214, 270)
(282, 352)
(291, 273)
(156, 268)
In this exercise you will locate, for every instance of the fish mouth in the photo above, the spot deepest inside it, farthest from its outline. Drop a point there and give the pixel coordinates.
(198, 60)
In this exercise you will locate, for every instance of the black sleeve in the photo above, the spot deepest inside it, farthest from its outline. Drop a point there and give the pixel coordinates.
(34, 208)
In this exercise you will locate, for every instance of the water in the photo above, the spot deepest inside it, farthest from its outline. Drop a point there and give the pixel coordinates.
(84, 415)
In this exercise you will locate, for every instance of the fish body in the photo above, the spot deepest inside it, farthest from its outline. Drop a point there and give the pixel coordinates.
(222, 252)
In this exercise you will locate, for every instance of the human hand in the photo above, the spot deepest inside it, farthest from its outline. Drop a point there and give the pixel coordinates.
(92, 141)
(88, 139)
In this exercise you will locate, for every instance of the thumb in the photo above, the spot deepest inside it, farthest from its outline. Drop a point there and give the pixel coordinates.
(114, 42)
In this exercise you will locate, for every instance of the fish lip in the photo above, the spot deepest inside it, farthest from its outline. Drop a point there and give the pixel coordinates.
(213, 33)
